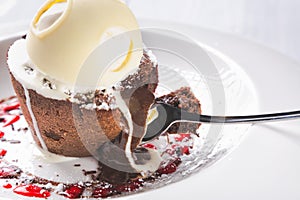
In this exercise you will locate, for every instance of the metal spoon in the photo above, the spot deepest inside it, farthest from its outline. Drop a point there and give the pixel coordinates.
(167, 115)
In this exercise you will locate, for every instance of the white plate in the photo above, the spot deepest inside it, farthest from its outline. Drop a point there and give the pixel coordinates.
(265, 165)
(216, 80)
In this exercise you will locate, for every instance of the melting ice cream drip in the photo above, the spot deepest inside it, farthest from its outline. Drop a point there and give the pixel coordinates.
(34, 122)
(149, 166)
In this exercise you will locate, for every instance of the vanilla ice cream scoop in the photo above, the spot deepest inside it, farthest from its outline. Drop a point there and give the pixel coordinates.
(64, 33)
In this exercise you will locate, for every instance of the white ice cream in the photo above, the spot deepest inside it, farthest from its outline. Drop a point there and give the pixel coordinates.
(65, 32)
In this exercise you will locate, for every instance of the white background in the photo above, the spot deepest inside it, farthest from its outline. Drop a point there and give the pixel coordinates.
(274, 23)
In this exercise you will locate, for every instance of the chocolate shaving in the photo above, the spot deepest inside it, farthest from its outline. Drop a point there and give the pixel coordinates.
(28, 70)
(14, 141)
(52, 135)
(22, 129)
(48, 84)
(86, 173)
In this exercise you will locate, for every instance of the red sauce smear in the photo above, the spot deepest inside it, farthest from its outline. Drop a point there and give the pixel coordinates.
(150, 146)
(170, 168)
(1, 134)
(104, 192)
(6, 171)
(6, 117)
(181, 150)
(183, 136)
(11, 107)
(32, 191)
(2, 152)
(10, 119)
(73, 191)
(7, 186)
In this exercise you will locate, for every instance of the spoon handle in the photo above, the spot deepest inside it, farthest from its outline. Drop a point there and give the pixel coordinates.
(186, 116)
(168, 114)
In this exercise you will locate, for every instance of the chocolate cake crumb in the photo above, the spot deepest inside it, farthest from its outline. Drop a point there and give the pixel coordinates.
(48, 84)
(185, 100)
(77, 165)
(22, 129)
(86, 173)
(28, 70)
(12, 127)
(14, 141)
(2, 120)
(68, 92)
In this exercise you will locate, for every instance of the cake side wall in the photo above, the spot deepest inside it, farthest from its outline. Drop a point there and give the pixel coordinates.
(65, 127)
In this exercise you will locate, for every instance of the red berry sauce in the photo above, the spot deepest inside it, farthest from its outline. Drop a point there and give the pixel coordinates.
(73, 191)
(32, 191)
(7, 186)
(1, 134)
(149, 146)
(11, 107)
(6, 107)
(170, 168)
(107, 190)
(9, 172)
(10, 119)
(2, 152)
(182, 137)
(103, 192)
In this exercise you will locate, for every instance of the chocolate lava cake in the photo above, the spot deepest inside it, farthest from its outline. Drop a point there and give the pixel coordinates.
(66, 127)
(106, 120)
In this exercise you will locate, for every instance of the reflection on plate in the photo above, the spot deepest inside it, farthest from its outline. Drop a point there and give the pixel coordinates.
(175, 72)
